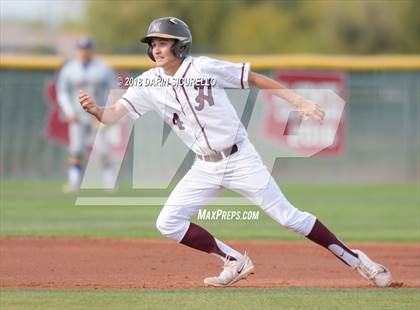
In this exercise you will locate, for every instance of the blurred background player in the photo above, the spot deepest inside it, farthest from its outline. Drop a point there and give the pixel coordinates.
(89, 73)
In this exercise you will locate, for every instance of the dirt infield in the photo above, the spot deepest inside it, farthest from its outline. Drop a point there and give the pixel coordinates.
(121, 263)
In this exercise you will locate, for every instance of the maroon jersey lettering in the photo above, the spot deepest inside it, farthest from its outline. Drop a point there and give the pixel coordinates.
(177, 122)
(202, 98)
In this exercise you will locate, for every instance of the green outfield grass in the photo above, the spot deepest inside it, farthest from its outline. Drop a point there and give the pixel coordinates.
(355, 213)
(231, 298)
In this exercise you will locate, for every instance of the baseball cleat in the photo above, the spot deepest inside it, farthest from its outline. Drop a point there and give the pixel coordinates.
(374, 272)
(233, 271)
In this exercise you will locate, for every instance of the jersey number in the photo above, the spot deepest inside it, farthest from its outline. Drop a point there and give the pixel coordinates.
(202, 98)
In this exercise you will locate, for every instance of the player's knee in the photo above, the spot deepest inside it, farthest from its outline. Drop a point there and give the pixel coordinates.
(289, 223)
(160, 225)
(298, 221)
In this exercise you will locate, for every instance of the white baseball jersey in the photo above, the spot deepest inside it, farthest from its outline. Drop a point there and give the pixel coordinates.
(201, 114)
(96, 78)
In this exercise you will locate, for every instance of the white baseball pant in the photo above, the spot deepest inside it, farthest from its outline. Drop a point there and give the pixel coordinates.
(243, 172)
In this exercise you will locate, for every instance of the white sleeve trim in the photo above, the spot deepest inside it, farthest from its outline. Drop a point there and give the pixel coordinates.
(246, 67)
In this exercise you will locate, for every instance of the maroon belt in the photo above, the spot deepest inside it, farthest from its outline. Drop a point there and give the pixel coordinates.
(218, 156)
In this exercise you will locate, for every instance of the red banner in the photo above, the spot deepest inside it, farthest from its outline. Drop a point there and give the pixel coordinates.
(56, 129)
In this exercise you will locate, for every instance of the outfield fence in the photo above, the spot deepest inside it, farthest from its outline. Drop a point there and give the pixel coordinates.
(381, 127)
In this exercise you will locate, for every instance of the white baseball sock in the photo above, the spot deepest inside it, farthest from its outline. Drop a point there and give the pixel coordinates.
(228, 250)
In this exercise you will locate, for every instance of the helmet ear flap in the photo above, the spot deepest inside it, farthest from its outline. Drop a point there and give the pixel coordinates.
(150, 53)
(180, 50)
(174, 48)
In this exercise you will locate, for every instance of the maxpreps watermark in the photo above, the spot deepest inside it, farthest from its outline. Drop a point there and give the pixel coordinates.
(165, 82)
(227, 215)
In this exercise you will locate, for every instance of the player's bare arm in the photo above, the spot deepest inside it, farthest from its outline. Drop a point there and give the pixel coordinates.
(106, 115)
(307, 108)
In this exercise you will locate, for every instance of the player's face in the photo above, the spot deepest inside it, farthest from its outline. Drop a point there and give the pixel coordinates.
(85, 55)
(161, 49)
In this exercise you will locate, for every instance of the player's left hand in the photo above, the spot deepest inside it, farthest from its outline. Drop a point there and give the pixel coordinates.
(309, 109)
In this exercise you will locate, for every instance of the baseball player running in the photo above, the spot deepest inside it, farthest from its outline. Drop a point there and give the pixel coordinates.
(204, 119)
(96, 78)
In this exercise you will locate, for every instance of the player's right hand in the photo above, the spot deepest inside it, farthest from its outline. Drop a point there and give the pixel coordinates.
(87, 103)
